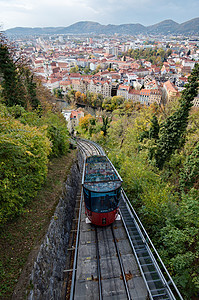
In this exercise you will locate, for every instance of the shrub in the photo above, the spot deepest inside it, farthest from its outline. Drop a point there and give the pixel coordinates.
(58, 134)
(54, 123)
(24, 154)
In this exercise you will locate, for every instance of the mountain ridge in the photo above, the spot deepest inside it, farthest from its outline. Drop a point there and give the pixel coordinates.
(89, 27)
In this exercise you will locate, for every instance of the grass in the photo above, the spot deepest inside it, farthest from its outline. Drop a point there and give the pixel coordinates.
(21, 238)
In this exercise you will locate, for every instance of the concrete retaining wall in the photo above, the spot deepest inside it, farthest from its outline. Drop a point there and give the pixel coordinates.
(47, 275)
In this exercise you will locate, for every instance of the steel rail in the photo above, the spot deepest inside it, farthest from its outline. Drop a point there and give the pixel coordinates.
(95, 149)
(84, 157)
(90, 148)
(72, 291)
(99, 148)
(87, 149)
(132, 246)
(101, 151)
(148, 242)
(83, 148)
(121, 266)
(151, 251)
(87, 152)
(98, 266)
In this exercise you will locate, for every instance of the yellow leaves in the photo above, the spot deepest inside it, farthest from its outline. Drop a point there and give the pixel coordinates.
(142, 121)
(29, 153)
(24, 137)
(83, 96)
(24, 149)
(98, 68)
(143, 183)
(84, 121)
(78, 95)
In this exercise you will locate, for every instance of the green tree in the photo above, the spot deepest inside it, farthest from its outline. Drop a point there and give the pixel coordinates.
(168, 53)
(60, 94)
(105, 125)
(12, 88)
(189, 176)
(113, 103)
(86, 70)
(154, 128)
(74, 69)
(24, 154)
(172, 130)
(161, 52)
(107, 104)
(31, 89)
(180, 243)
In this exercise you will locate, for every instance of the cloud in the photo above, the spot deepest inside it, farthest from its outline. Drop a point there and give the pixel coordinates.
(15, 5)
(34, 13)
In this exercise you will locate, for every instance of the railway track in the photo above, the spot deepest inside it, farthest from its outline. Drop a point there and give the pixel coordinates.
(110, 265)
(89, 148)
(118, 261)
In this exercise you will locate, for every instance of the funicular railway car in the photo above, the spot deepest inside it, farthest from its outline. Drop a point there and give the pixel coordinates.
(102, 190)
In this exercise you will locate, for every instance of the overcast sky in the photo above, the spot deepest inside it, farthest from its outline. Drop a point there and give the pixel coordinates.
(47, 13)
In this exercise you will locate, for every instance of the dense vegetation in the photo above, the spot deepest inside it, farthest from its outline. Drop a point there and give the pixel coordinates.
(84, 70)
(154, 55)
(31, 133)
(94, 100)
(90, 99)
(157, 154)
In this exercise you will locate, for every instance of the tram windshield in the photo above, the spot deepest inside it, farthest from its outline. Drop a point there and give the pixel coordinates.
(102, 202)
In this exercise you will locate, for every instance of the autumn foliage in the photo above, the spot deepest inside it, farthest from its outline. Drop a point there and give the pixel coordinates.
(156, 152)
(31, 132)
(24, 154)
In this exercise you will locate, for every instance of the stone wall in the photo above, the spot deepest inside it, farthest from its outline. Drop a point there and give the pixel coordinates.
(47, 275)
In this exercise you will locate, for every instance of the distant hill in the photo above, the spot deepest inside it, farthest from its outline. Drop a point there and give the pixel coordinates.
(191, 26)
(164, 27)
(33, 31)
(97, 28)
(86, 27)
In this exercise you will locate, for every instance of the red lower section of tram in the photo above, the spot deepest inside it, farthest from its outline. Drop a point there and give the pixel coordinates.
(101, 219)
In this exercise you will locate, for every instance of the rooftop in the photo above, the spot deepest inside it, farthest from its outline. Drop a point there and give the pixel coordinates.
(100, 175)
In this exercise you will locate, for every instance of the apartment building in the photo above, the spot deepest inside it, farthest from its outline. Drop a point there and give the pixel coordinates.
(144, 96)
(73, 121)
(196, 101)
(100, 87)
(169, 91)
(123, 91)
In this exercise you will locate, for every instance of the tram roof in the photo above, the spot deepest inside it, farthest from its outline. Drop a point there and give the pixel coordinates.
(100, 175)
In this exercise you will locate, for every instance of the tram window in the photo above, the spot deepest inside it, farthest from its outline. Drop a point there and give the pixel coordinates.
(87, 199)
(113, 202)
(96, 204)
(103, 202)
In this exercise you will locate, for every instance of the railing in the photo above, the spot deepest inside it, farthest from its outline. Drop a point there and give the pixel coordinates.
(158, 281)
(144, 245)
(72, 290)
